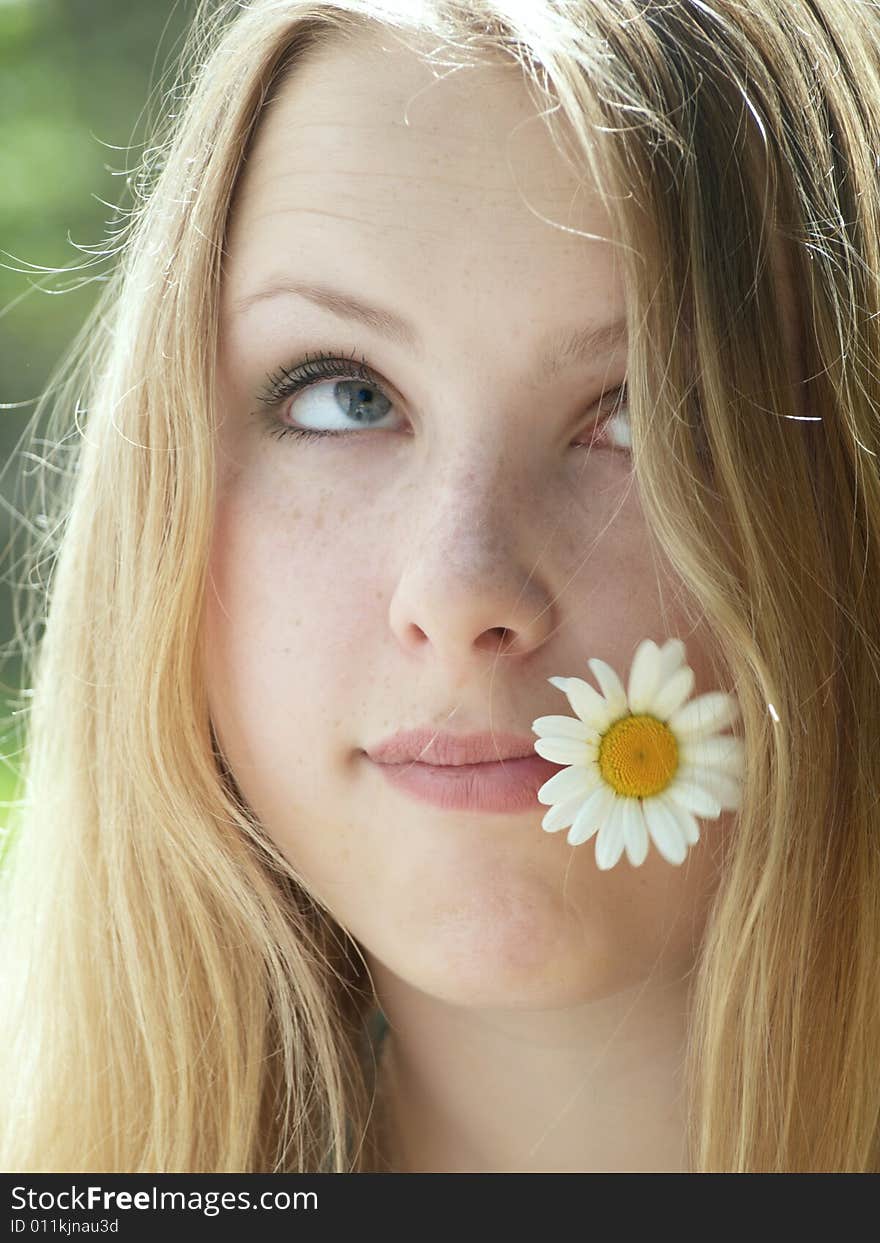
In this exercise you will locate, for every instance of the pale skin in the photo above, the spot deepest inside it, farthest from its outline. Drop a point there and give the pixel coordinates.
(358, 586)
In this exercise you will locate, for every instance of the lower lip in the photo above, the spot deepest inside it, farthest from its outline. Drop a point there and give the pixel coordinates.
(511, 785)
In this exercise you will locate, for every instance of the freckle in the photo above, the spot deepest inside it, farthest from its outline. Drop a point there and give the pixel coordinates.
(319, 522)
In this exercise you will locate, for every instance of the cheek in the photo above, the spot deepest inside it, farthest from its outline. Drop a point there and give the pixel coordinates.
(288, 614)
(284, 582)
(647, 921)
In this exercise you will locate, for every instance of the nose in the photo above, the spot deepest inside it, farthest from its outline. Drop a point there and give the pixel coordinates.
(473, 579)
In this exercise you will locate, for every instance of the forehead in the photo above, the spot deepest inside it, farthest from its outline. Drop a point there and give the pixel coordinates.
(375, 159)
(374, 168)
(374, 110)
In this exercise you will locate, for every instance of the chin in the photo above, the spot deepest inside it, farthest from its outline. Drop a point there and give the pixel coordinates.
(510, 971)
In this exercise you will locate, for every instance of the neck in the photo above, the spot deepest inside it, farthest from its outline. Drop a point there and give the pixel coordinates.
(592, 1088)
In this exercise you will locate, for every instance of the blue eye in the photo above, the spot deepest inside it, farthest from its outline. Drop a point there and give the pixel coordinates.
(355, 399)
(352, 394)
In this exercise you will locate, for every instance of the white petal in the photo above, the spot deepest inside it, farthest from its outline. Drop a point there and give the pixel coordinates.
(665, 830)
(565, 750)
(588, 704)
(592, 815)
(609, 843)
(691, 831)
(724, 788)
(562, 727)
(561, 815)
(635, 833)
(722, 751)
(612, 687)
(578, 780)
(693, 797)
(672, 654)
(686, 822)
(644, 676)
(559, 683)
(673, 693)
(707, 714)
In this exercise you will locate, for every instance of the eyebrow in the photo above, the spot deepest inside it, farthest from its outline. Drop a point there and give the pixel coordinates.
(562, 349)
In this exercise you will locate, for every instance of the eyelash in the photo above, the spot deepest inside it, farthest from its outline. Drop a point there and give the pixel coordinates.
(288, 381)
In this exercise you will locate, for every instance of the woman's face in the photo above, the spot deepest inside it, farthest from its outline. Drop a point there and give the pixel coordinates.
(359, 583)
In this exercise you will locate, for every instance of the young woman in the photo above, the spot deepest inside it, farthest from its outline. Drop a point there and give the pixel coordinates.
(456, 352)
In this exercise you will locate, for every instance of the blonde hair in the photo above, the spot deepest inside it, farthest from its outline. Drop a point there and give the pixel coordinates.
(176, 999)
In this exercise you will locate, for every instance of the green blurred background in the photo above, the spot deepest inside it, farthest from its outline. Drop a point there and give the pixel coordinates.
(76, 78)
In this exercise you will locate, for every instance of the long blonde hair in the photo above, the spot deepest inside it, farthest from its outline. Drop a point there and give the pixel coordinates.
(174, 997)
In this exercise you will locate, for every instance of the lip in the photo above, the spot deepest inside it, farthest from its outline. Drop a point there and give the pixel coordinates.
(458, 783)
(433, 747)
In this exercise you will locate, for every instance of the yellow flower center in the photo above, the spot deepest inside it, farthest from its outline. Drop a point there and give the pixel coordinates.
(638, 756)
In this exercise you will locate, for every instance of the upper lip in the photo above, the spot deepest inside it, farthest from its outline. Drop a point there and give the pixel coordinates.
(431, 746)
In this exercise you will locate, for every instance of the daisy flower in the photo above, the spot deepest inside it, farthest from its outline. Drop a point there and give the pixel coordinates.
(642, 762)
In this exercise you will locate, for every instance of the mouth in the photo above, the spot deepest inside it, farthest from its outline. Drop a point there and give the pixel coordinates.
(495, 786)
